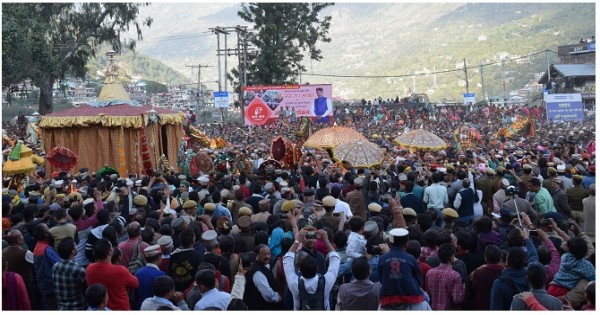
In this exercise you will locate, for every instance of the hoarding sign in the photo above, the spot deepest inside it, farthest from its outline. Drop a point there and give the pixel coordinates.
(264, 104)
(469, 98)
(564, 107)
(221, 99)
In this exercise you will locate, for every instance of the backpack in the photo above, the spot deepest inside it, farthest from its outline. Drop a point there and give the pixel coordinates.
(312, 302)
(137, 260)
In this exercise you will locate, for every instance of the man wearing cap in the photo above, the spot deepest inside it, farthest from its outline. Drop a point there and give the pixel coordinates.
(486, 186)
(523, 179)
(543, 200)
(566, 182)
(166, 247)
(575, 195)
(552, 173)
(561, 202)
(400, 277)
(356, 199)
(590, 176)
(220, 209)
(189, 210)
(332, 222)
(308, 198)
(286, 194)
(147, 274)
(246, 233)
(500, 195)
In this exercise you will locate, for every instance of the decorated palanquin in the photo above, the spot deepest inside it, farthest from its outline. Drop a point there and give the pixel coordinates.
(522, 125)
(467, 136)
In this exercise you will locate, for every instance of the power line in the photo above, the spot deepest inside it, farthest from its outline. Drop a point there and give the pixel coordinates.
(428, 73)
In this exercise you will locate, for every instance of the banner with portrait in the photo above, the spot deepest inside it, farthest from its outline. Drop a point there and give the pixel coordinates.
(267, 103)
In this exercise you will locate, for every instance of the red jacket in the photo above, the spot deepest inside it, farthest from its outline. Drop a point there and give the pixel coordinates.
(117, 281)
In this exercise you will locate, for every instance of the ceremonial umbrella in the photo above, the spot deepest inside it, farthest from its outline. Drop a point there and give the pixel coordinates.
(62, 158)
(332, 137)
(420, 139)
(359, 154)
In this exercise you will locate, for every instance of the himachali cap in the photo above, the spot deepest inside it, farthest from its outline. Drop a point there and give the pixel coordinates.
(177, 224)
(140, 200)
(165, 241)
(152, 251)
(358, 181)
(58, 183)
(285, 190)
(449, 213)
(184, 183)
(210, 235)
(371, 227)
(329, 201)
(527, 167)
(245, 211)
(138, 183)
(224, 193)
(374, 207)
(561, 168)
(182, 177)
(402, 177)
(203, 180)
(552, 170)
(268, 186)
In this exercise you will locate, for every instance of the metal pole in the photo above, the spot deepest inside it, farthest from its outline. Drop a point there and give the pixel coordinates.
(466, 76)
(219, 57)
(199, 90)
(548, 64)
(225, 57)
(481, 74)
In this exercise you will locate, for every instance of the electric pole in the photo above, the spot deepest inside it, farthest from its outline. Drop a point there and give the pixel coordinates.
(200, 99)
(466, 75)
(481, 74)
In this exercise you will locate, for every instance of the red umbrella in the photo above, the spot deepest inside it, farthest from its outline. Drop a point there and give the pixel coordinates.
(62, 158)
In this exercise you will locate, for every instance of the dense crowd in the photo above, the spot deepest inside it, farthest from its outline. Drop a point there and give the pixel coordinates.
(507, 223)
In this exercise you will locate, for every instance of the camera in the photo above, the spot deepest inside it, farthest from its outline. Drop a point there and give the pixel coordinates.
(545, 222)
(511, 191)
(246, 260)
(336, 214)
(312, 235)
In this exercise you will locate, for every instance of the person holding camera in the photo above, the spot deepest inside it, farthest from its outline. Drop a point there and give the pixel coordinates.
(311, 290)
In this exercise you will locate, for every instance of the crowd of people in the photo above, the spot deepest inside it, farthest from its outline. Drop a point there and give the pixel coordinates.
(507, 223)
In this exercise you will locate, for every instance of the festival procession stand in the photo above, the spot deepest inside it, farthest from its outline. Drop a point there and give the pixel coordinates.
(114, 131)
(21, 163)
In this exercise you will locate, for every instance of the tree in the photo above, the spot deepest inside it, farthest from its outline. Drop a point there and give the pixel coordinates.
(47, 41)
(285, 34)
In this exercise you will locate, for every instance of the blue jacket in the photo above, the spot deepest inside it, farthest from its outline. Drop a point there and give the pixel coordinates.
(400, 277)
(43, 271)
(146, 276)
(501, 294)
(572, 270)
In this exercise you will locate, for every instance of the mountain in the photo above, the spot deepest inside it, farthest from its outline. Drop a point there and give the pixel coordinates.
(402, 42)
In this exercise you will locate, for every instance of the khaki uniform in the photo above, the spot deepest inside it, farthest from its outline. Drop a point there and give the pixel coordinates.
(575, 197)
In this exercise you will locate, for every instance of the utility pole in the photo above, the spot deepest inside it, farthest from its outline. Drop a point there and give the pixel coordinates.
(200, 99)
(466, 75)
(481, 74)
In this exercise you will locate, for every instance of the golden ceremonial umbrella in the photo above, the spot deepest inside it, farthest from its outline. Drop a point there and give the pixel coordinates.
(359, 154)
(420, 139)
(332, 137)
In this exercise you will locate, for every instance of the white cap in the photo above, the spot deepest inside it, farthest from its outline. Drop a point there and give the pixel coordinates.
(88, 201)
(203, 180)
(399, 232)
(74, 181)
(58, 183)
(505, 182)
(138, 183)
(441, 170)
(129, 183)
(561, 168)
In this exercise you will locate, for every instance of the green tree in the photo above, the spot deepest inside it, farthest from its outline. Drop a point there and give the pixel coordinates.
(47, 41)
(284, 34)
(153, 87)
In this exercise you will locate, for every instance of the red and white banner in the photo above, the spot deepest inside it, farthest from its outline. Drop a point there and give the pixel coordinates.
(264, 104)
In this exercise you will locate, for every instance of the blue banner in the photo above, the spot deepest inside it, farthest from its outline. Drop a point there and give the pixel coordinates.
(564, 107)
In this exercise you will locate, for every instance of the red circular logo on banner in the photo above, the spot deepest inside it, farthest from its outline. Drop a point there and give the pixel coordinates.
(257, 112)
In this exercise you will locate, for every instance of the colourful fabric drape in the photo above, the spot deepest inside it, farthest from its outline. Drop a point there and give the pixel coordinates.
(122, 164)
(146, 162)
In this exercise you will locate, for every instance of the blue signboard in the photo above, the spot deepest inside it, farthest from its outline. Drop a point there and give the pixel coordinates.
(469, 98)
(564, 107)
(221, 99)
